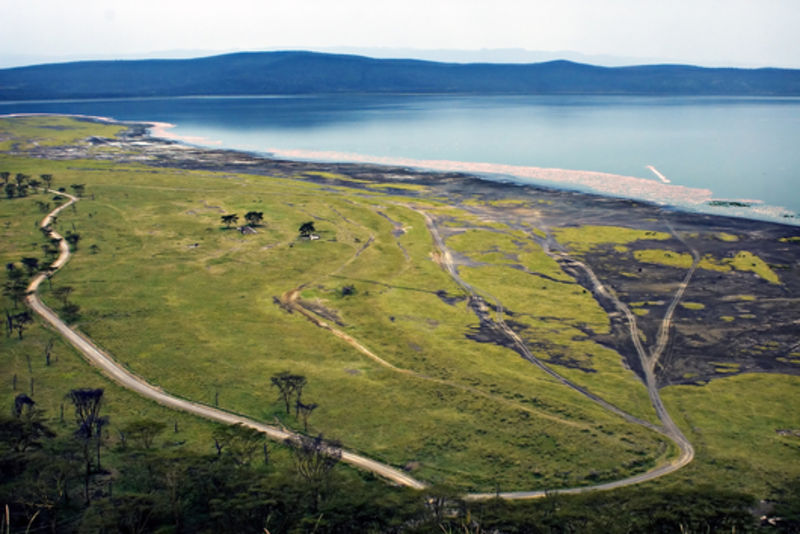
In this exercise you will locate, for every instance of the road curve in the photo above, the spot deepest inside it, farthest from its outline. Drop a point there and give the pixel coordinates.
(125, 378)
(668, 429)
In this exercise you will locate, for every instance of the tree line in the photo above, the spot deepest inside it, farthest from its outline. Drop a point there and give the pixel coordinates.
(18, 275)
(66, 476)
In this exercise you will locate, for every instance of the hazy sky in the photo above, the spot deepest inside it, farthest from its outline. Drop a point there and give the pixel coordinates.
(707, 32)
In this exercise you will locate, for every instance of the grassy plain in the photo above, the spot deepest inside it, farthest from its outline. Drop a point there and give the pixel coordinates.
(744, 429)
(21, 133)
(189, 305)
(24, 369)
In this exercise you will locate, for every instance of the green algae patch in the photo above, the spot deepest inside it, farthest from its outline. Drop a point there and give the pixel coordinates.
(743, 261)
(747, 261)
(729, 238)
(734, 298)
(693, 305)
(664, 257)
(584, 238)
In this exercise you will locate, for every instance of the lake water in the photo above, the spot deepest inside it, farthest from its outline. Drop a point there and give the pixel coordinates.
(682, 151)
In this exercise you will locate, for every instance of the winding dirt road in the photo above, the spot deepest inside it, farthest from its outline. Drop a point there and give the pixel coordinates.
(125, 378)
(648, 361)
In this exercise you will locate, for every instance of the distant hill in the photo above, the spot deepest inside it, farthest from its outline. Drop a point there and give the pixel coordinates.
(310, 72)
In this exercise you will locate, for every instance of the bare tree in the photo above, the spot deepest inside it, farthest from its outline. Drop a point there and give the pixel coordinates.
(48, 350)
(304, 410)
(288, 385)
(87, 404)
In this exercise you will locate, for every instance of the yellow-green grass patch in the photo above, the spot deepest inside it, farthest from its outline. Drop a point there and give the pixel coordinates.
(584, 238)
(734, 424)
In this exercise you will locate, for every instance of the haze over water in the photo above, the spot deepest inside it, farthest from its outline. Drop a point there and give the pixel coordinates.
(706, 148)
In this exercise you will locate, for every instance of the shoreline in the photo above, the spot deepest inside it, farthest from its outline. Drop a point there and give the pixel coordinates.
(662, 194)
(660, 191)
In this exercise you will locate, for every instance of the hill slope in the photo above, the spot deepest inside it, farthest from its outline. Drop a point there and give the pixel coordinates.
(308, 73)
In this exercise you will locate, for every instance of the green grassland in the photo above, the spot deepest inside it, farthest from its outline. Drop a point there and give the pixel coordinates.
(24, 369)
(742, 261)
(743, 428)
(23, 133)
(189, 305)
(197, 320)
(584, 238)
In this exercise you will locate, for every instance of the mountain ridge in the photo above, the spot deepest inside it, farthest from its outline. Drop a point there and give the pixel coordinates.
(302, 72)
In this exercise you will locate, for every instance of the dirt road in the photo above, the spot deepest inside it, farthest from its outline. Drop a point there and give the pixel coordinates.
(125, 378)
(669, 429)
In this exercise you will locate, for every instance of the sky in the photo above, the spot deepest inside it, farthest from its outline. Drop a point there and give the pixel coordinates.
(702, 32)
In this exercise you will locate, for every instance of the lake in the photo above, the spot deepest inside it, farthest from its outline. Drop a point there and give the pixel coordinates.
(698, 153)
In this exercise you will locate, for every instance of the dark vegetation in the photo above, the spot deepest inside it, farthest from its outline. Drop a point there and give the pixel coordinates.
(308, 73)
(53, 481)
(15, 286)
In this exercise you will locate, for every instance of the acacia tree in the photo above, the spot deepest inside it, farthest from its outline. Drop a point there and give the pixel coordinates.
(242, 442)
(144, 431)
(47, 179)
(304, 411)
(288, 385)
(31, 264)
(254, 218)
(78, 189)
(73, 238)
(20, 322)
(87, 404)
(307, 228)
(314, 458)
(5, 175)
(229, 219)
(27, 428)
(16, 290)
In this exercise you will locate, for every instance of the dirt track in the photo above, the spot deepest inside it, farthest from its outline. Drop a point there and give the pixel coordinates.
(125, 378)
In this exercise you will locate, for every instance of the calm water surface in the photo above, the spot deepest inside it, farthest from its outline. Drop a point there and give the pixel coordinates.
(738, 148)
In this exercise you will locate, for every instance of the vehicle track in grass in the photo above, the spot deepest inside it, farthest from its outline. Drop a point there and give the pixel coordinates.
(648, 360)
(117, 373)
